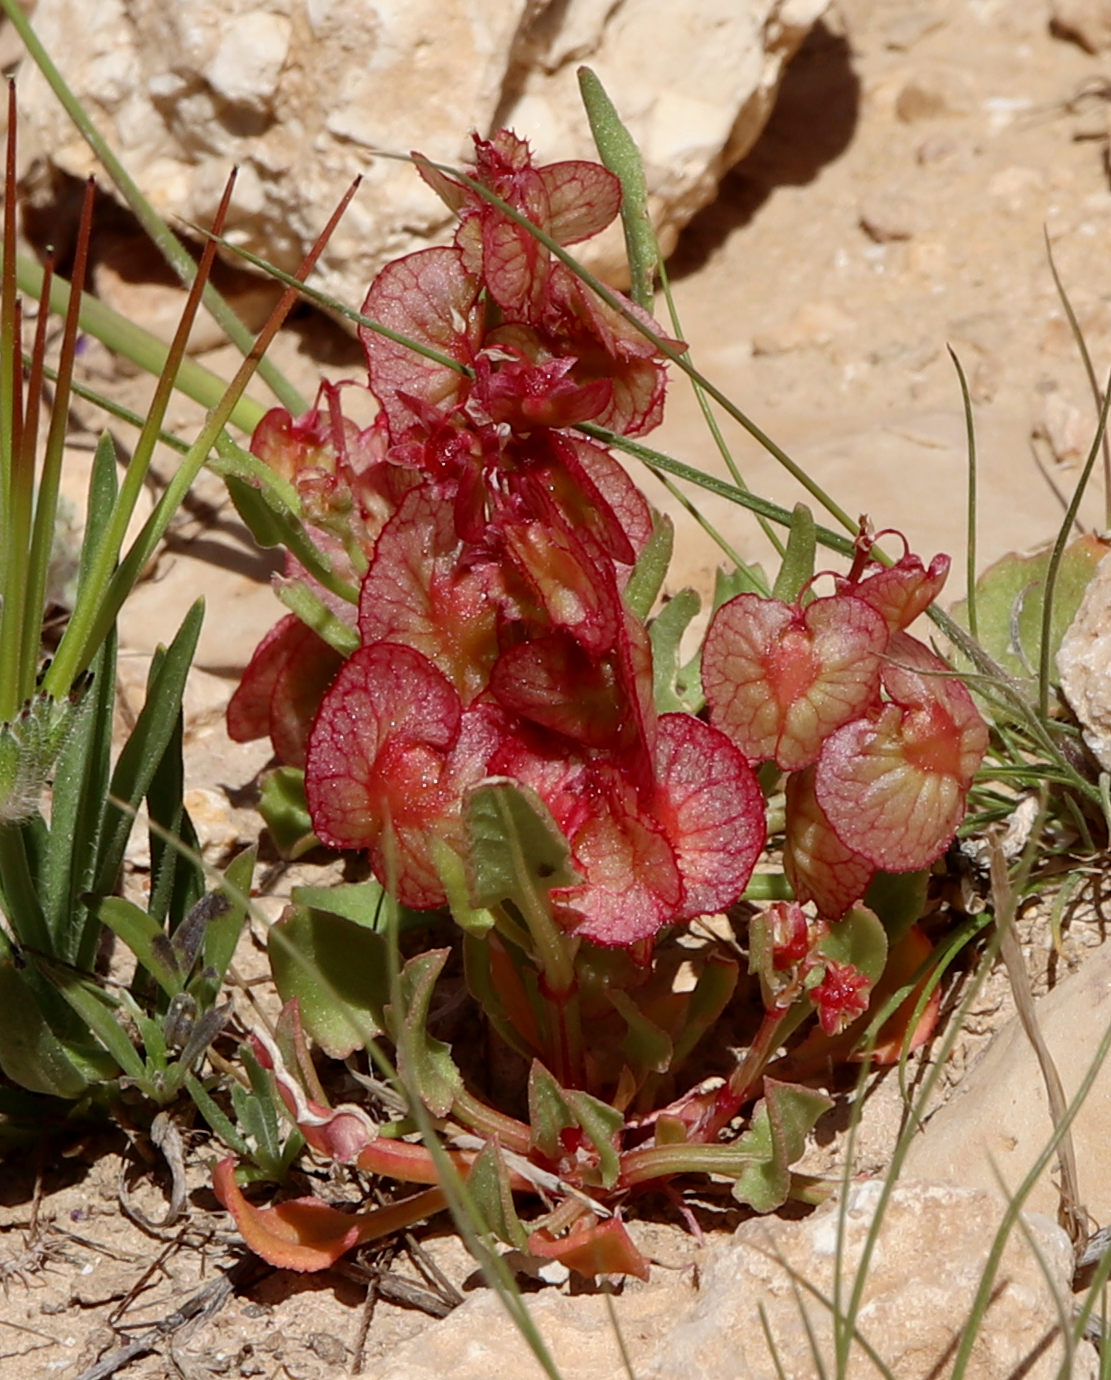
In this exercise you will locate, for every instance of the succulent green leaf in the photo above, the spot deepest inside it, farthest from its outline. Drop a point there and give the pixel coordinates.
(860, 940)
(674, 691)
(488, 1182)
(471, 919)
(621, 156)
(650, 571)
(899, 899)
(549, 1114)
(775, 1140)
(1010, 602)
(797, 567)
(738, 579)
(601, 1125)
(516, 851)
(715, 985)
(646, 1047)
(272, 523)
(283, 807)
(424, 1064)
(363, 903)
(337, 969)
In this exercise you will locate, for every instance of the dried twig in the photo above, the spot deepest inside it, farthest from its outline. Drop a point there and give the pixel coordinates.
(204, 1304)
(165, 1136)
(1071, 1211)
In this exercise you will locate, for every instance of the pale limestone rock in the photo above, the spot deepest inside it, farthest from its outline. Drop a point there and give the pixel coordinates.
(926, 1267)
(1084, 664)
(922, 1279)
(299, 93)
(478, 1341)
(1086, 21)
(997, 1124)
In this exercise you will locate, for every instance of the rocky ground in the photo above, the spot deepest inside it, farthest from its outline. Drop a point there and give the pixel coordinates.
(899, 203)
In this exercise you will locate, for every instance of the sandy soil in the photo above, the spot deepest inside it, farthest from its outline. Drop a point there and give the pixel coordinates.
(898, 203)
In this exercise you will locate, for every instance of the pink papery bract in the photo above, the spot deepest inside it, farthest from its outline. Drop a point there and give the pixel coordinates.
(429, 298)
(902, 591)
(419, 591)
(570, 579)
(893, 785)
(389, 756)
(281, 689)
(632, 886)
(712, 809)
(685, 847)
(818, 865)
(779, 679)
(569, 201)
(553, 682)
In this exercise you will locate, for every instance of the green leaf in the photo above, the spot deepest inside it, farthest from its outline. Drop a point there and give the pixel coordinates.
(76, 817)
(798, 559)
(899, 899)
(146, 939)
(286, 812)
(673, 691)
(549, 1114)
(103, 491)
(738, 579)
(650, 571)
(272, 523)
(339, 972)
(311, 609)
(488, 1182)
(98, 1010)
(646, 1047)
(1010, 603)
(222, 931)
(146, 744)
(31, 1054)
(424, 1064)
(601, 1125)
(219, 1123)
(474, 920)
(621, 156)
(177, 876)
(515, 849)
(858, 939)
(775, 1140)
(363, 903)
(713, 988)
(256, 1111)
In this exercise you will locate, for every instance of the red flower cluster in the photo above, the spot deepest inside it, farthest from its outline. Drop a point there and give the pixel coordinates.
(496, 542)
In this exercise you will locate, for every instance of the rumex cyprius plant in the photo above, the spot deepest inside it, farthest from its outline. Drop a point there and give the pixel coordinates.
(479, 720)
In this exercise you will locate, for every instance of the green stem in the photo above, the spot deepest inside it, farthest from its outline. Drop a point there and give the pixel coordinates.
(132, 342)
(22, 906)
(768, 886)
(492, 1125)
